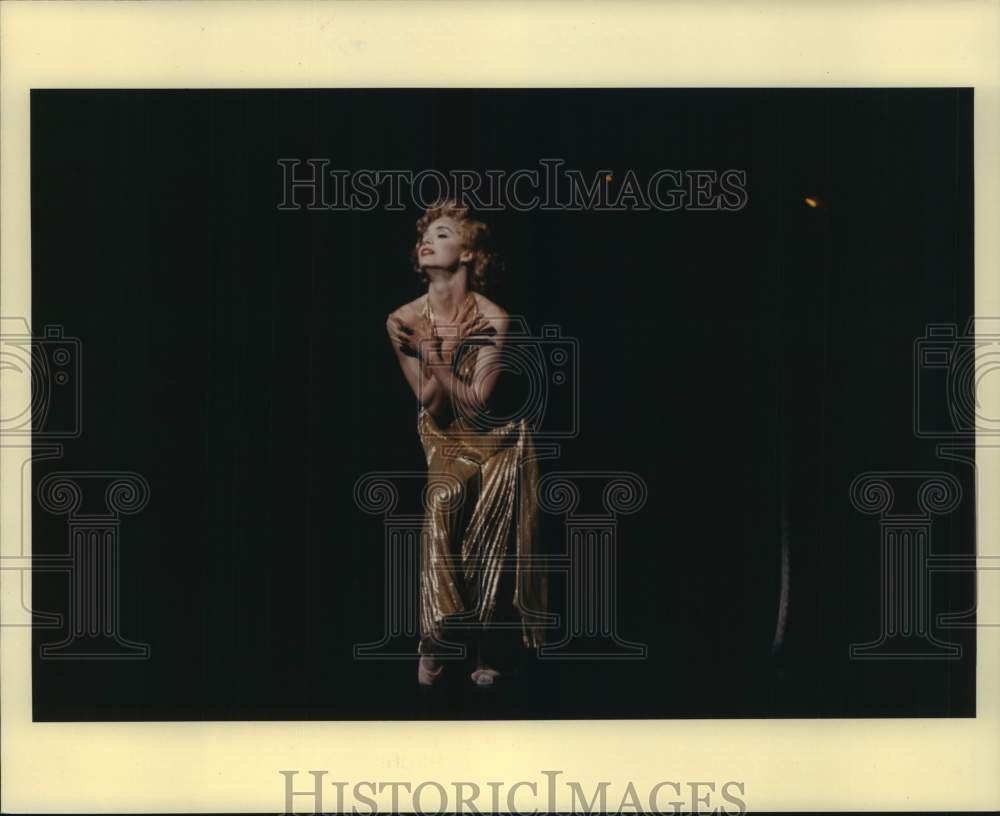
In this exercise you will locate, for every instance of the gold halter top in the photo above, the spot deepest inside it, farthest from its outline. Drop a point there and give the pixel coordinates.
(466, 354)
(482, 515)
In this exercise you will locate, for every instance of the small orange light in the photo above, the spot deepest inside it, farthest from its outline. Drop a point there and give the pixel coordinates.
(812, 202)
(607, 177)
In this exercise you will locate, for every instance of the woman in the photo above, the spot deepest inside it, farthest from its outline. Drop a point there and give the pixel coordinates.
(481, 523)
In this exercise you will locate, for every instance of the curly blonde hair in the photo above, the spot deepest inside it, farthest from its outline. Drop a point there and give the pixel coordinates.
(476, 238)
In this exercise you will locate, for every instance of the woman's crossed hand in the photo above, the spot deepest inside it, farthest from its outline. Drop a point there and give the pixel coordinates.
(410, 332)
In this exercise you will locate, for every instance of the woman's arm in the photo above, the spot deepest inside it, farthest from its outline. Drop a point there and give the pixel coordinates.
(476, 394)
(417, 373)
(408, 360)
(489, 364)
(419, 352)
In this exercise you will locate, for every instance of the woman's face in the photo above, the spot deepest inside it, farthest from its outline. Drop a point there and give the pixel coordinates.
(441, 245)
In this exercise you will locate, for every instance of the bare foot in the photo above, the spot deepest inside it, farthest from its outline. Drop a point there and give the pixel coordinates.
(428, 670)
(484, 676)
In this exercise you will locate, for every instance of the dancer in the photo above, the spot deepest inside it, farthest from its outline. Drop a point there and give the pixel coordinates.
(481, 523)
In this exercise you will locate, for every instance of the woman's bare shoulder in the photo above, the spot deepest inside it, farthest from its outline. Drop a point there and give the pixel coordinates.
(415, 305)
(489, 309)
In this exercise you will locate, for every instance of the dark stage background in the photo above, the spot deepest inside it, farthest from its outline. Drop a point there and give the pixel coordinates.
(747, 365)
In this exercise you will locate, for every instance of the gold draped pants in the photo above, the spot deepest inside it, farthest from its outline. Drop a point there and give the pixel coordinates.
(481, 526)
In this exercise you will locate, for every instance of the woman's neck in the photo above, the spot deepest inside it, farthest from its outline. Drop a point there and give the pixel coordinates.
(447, 294)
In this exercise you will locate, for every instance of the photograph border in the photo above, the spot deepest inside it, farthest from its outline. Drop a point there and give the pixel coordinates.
(783, 765)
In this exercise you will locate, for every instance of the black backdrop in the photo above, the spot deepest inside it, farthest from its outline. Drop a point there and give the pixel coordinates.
(747, 365)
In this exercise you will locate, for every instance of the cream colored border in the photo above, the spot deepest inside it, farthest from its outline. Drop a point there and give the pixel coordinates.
(787, 765)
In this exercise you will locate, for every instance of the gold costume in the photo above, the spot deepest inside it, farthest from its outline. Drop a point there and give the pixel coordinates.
(482, 515)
